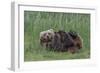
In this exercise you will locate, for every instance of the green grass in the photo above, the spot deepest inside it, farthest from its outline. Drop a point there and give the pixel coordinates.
(35, 22)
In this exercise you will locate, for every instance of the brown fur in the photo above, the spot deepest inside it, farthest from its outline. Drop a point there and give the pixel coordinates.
(78, 41)
(62, 41)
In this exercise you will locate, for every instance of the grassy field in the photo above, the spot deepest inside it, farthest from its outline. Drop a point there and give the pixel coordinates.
(35, 22)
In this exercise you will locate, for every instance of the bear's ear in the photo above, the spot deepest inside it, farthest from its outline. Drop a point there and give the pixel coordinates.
(51, 30)
(72, 32)
(41, 34)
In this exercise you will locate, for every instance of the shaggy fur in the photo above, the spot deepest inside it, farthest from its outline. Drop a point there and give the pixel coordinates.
(62, 41)
(77, 39)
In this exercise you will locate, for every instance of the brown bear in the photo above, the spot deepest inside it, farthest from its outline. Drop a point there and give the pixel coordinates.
(61, 41)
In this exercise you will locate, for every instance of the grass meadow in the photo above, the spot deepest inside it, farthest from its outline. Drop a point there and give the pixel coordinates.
(36, 21)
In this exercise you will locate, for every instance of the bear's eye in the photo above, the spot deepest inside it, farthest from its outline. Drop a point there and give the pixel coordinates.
(45, 34)
(49, 33)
